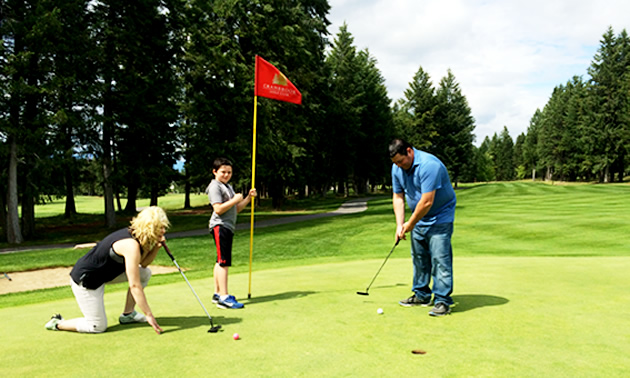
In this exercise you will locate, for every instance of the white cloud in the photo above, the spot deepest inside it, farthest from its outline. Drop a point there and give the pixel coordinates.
(507, 55)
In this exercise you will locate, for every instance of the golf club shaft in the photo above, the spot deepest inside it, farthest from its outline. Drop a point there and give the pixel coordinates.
(382, 265)
(189, 285)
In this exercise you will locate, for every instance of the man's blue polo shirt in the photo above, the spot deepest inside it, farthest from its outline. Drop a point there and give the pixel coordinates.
(426, 174)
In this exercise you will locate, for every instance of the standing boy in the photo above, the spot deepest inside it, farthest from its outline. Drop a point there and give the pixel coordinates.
(226, 205)
(423, 180)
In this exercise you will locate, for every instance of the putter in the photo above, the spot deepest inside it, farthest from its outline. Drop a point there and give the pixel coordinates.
(213, 328)
(379, 270)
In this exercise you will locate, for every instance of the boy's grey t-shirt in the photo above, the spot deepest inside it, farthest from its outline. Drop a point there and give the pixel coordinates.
(219, 192)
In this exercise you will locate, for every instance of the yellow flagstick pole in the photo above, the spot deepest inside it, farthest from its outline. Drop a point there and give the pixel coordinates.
(251, 225)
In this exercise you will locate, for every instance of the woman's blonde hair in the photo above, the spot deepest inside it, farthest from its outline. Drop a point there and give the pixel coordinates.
(147, 226)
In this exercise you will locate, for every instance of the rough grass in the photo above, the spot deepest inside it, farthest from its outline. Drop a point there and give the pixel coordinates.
(51, 227)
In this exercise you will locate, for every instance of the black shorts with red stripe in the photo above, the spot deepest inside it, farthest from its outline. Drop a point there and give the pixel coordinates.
(223, 237)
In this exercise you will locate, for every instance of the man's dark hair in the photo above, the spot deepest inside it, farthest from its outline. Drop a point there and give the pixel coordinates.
(218, 162)
(398, 146)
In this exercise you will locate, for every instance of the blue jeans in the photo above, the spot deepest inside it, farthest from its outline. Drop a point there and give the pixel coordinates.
(432, 257)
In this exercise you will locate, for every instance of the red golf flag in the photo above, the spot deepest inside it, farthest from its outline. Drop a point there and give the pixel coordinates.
(271, 83)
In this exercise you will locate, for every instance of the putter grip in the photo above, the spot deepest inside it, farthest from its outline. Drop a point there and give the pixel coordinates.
(168, 251)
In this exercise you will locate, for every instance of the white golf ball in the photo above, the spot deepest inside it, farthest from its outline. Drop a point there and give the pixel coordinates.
(379, 311)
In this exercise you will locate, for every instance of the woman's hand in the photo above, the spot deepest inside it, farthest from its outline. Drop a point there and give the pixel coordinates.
(151, 320)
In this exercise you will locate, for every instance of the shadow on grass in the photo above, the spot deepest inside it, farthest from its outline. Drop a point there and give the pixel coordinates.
(277, 297)
(179, 323)
(376, 288)
(469, 302)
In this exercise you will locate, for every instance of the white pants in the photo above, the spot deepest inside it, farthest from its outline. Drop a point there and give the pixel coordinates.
(92, 302)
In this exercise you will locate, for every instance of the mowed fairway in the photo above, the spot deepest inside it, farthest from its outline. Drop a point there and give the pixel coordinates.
(541, 286)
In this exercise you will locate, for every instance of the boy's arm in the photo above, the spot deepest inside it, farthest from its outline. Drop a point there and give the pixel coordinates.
(222, 207)
(241, 205)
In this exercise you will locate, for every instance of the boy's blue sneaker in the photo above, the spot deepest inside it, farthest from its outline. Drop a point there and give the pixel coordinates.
(229, 302)
(215, 298)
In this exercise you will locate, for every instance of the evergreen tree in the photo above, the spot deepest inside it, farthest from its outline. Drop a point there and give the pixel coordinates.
(69, 94)
(519, 159)
(376, 126)
(550, 133)
(570, 145)
(530, 149)
(562, 133)
(504, 156)
(610, 102)
(415, 114)
(290, 35)
(208, 76)
(146, 111)
(345, 87)
(25, 65)
(558, 136)
(485, 168)
(138, 93)
(454, 128)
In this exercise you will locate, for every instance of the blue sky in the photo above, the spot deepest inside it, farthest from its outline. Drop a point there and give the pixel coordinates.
(507, 55)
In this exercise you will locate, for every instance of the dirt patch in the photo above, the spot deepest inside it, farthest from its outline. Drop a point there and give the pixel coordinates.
(46, 278)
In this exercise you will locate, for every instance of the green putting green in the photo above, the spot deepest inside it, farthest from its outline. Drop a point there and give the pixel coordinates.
(514, 316)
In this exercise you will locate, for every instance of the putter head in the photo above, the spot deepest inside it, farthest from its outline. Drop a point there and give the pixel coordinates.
(214, 329)
(362, 293)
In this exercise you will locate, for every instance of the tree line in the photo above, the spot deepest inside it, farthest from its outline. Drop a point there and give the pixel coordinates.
(581, 134)
(104, 97)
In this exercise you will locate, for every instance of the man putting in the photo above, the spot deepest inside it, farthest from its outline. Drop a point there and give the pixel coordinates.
(423, 180)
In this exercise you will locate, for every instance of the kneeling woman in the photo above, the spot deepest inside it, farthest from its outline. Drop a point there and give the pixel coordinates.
(124, 255)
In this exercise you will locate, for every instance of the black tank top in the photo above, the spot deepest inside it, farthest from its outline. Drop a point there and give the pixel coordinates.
(101, 264)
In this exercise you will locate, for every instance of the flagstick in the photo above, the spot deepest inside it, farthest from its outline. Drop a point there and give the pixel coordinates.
(251, 225)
